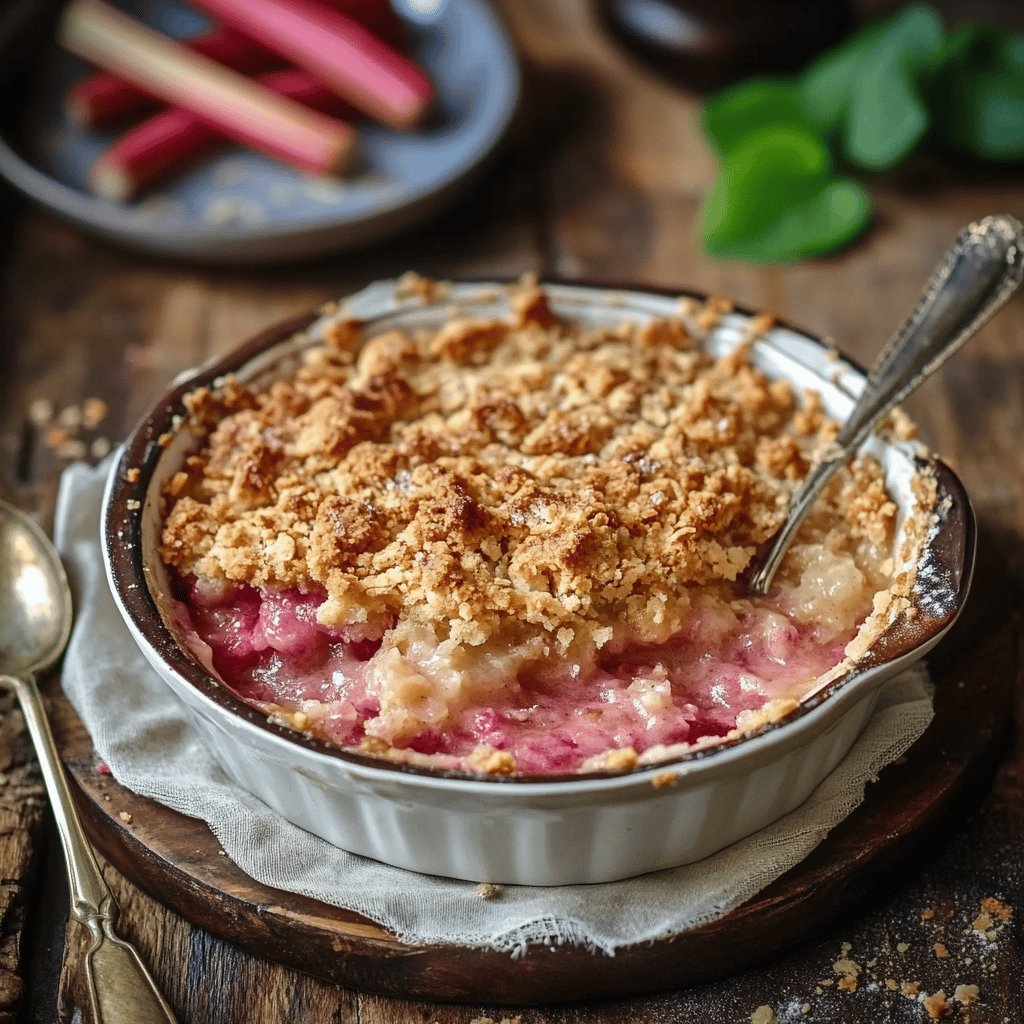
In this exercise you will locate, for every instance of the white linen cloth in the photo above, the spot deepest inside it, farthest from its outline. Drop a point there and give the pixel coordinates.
(141, 731)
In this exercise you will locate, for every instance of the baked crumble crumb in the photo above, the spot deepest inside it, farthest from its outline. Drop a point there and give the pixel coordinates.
(488, 891)
(966, 994)
(663, 779)
(936, 1006)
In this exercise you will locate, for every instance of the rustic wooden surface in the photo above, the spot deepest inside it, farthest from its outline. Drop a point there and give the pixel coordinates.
(601, 179)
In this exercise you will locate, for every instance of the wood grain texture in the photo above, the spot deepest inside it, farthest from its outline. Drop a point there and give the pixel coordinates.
(601, 178)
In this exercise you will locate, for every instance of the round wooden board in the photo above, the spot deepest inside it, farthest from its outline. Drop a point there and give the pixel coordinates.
(176, 859)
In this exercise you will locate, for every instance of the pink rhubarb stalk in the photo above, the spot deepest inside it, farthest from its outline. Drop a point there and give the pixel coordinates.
(234, 105)
(167, 141)
(103, 99)
(336, 49)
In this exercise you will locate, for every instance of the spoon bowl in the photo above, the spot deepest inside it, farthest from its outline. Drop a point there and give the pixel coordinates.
(35, 601)
(35, 623)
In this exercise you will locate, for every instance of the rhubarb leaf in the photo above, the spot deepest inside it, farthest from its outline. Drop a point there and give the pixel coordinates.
(825, 86)
(777, 200)
(887, 116)
(978, 97)
(729, 116)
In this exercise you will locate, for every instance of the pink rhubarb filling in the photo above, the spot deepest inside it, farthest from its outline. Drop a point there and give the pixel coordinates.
(729, 658)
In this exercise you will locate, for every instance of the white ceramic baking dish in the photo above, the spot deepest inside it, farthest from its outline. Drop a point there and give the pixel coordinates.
(558, 831)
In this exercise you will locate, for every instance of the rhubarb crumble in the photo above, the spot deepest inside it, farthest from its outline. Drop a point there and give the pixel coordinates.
(517, 545)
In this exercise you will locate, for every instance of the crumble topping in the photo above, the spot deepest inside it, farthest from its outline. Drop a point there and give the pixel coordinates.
(501, 496)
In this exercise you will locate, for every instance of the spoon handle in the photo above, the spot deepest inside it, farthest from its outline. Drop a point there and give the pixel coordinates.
(121, 990)
(981, 270)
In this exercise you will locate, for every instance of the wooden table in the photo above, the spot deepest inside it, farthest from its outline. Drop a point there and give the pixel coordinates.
(601, 179)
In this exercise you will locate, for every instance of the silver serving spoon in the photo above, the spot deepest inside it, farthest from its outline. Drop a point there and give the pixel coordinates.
(982, 269)
(35, 621)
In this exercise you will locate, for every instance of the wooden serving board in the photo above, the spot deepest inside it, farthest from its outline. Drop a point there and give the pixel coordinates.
(178, 861)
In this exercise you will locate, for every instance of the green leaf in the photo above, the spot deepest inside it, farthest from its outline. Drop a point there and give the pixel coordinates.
(825, 86)
(778, 200)
(886, 116)
(729, 116)
(978, 97)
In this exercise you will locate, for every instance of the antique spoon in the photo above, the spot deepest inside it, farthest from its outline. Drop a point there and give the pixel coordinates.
(981, 270)
(35, 621)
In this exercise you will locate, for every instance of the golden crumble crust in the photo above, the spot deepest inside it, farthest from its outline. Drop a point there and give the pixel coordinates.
(523, 479)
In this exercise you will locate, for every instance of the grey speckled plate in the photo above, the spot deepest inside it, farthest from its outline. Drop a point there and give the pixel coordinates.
(241, 207)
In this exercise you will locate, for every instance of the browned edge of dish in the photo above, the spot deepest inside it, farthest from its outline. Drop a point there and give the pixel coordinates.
(952, 549)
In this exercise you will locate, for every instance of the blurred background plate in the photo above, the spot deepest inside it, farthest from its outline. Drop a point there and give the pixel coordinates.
(241, 207)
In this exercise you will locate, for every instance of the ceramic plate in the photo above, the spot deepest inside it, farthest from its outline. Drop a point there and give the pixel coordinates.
(241, 207)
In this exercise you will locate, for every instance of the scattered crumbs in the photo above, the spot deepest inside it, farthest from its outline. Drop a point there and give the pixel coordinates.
(817, 990)
(968, 960)
(902, 947)
(133, 505)
(910, 988)
(491, 1020)
(487, 890)
(940, 951)
(70, 416)
(56, 436)
(61, 431)
(763, 1015)
(125, 817)
(825, 982)
(233, 210)
(106, 796)
(965, 994)
(40, 412)
(71, 450)
(663, 779)
(132, 474)
(103, 768)
(846, 967)
(871, 963)
(936, 1005)
(805, 1008)
(221, 853)
(890, 984)
(94, 412)
(164, 440)
(927, 914)
(992, 915)
(4, 778)
(849, 970)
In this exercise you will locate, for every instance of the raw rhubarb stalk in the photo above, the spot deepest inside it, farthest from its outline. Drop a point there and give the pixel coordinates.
(104, 99)
(234, 105)
(336, 49)
(169, 140)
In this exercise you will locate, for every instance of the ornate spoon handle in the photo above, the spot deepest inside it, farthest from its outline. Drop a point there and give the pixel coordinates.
(121, 990)
(982, 269)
